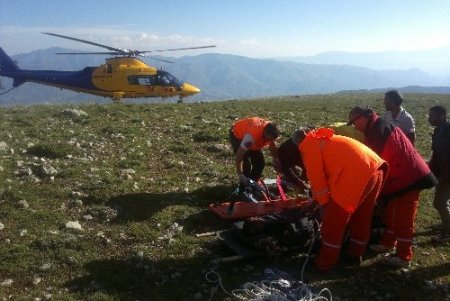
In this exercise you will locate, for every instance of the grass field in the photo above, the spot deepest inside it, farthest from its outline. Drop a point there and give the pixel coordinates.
(138, 179)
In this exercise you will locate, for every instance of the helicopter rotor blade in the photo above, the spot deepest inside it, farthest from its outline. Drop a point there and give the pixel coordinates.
(157, 59)
(177, 49)
(83, 41)
(105, 53)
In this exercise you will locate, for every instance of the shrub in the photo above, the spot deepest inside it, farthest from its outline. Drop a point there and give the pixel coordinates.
(50, 151)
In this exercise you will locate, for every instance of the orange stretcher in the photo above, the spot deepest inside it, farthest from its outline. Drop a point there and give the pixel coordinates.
(238, 210)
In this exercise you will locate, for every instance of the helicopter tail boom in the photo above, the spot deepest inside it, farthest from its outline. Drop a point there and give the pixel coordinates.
(6, 63)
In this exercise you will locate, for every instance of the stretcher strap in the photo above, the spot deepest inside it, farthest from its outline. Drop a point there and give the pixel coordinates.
(280, 188)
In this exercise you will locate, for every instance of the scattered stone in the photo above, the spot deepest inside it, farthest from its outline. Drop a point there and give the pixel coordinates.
(26, 171)
(103, 213)
(74, 113)
(74, 225)
(47, 171)
(2, 226)
(23, 204)
(7, 282)
(76, 194)
(127, 173)
(77, 203)
(3, 146)
(87, 217)
(72, 260)
(37, 280)
(23, 232)
(45, 267)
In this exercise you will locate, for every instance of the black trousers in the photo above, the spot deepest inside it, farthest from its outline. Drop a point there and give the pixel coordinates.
(253, 164)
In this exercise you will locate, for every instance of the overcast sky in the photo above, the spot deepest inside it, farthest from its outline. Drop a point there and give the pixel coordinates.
(254, 28)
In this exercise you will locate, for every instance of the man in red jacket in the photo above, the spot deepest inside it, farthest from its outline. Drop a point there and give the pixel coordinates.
(247, 137)
(408, 175)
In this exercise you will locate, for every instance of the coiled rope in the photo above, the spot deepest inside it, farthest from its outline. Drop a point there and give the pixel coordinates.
(272, 290)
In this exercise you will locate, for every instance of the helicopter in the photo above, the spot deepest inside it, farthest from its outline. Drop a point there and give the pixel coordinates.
(122, 76)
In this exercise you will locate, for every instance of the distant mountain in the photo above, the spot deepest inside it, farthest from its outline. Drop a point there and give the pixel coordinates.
(221, 76)
(435, 61)
(408, 89)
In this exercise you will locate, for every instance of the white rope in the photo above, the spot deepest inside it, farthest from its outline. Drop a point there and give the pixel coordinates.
(218, 283)
(273, 290)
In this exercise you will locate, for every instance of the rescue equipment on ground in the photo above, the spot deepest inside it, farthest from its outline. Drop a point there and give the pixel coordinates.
(256, 199)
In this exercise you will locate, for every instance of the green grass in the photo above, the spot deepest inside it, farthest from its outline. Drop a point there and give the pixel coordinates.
(138, 171)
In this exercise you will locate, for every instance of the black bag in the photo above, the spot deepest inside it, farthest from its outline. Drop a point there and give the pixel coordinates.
(278, 233)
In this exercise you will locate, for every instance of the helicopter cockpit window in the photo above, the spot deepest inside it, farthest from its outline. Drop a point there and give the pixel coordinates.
(141, 80)
(167, 79)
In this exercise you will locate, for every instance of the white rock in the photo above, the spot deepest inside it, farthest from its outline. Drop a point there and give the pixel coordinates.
(88, 217)
(74, 225)
(37, 280)
(3, 146)
(7, 282)
(23, 232)
(2, 226)
(74, 113)
(45, 267)
(23, 204)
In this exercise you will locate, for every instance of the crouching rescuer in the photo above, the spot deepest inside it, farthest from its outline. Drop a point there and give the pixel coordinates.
(346, 178)
(247, 137)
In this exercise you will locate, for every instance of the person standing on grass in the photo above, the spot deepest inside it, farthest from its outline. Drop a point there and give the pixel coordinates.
(440, 165)
(408, 175)
(247, 137)
(396, 114)
(345, 178)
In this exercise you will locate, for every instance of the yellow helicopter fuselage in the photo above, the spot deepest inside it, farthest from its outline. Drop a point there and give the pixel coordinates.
(128, 77)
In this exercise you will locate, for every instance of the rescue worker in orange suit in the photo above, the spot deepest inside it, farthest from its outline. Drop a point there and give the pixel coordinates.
(346, 178)
(291, 164)
(408, 175)
(247, 137)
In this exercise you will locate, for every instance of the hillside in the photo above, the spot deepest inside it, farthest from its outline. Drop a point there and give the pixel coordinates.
(105, 203)
(222, 77)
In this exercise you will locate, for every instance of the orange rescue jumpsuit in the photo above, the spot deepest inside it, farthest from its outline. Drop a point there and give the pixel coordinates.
(346, 178)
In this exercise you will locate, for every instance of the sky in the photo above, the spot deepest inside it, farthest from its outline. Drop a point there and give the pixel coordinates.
(253, 28)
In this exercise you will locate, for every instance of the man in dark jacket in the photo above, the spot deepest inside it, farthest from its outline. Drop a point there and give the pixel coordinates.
(408, 175)
(440, 165)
